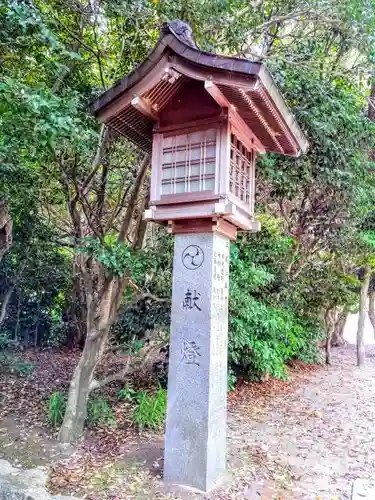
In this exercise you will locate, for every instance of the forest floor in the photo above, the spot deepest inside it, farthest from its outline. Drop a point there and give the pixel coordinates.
(307, 438)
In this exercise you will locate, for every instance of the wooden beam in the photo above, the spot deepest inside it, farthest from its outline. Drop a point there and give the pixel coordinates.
(246, 135)
(144, 107)
(149, 81)
(210, 73)
(206, 225)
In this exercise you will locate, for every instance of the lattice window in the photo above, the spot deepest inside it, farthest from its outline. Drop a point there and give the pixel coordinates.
(241, 180)
(188, 162)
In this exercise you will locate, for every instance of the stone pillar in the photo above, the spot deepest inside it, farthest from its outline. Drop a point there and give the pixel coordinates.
(195, 439)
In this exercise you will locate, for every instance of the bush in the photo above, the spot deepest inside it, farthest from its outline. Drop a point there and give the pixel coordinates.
(100, 413)
(263, 336)
(56, 408)
(232, 380)
(151, 409)
(5, 341)
(127, 393)
(21, 367)
(14, 364)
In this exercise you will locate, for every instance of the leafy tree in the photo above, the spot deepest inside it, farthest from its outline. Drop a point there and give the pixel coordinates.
(76, 192)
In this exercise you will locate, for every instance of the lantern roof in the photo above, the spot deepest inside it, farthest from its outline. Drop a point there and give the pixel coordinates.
(246, 88)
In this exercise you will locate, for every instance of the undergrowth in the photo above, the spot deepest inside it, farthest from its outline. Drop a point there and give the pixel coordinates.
(12, 363)
(56, 408)
(150, 409)
(100, 413)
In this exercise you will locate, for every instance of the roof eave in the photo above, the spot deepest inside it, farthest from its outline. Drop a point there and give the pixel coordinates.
(170, 42)
(167, 40)
(269, 84)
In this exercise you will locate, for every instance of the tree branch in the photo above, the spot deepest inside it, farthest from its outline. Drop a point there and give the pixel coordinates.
(144, 296)
(97, 161)
(141, 226)
(119, 376)
(280, 19)
(133, 199)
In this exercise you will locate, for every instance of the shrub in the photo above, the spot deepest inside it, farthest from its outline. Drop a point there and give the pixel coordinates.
(21, 367)
(5, 341)
(100, 413)
(127, 393)
(14, 364)
(56, 408)
(151, 409)
(232, 379)
(263, 336)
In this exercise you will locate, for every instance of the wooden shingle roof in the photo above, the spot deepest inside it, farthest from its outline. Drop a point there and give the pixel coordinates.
(245, 85)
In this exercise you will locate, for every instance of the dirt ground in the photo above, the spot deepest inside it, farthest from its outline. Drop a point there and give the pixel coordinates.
(317, 439)
(307, 439)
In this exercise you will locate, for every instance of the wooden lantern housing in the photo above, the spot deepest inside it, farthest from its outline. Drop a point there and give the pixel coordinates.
(204, 117)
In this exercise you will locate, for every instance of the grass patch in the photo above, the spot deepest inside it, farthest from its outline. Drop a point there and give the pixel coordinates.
(56, 408)
(100, 413)
(151, 409)
(127, 393)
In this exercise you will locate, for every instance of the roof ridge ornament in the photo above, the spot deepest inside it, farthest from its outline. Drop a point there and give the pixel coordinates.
(183, 32)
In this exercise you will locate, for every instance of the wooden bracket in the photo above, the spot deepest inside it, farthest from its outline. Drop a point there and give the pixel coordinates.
(144, 107)
(206, 225)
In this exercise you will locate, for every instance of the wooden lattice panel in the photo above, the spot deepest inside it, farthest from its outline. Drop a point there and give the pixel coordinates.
(242, 170)
(188, 162)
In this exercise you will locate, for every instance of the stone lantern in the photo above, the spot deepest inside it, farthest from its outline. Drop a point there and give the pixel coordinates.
(203, 117)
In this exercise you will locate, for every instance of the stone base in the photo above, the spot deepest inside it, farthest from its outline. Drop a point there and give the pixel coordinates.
(187, 492)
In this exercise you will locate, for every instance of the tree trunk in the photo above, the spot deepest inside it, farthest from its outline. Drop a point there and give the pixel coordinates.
(329, 320)
(338, 331)
(5, 229)
(362, 317)
(80, 385)
(79, 390)
(17, 327)
(76, 313)
(4, 305)
(103, 294)
(328, 348)
(371, 309)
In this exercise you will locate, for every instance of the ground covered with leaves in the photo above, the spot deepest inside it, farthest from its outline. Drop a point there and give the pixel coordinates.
(306, 438)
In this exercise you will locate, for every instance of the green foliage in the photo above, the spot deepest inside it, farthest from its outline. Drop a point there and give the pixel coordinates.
(331, 113)
(311, 208)
(100, 413)
(137, 318)
(56, 408)
(151, 409)
(265, 331)
(127, 393)
(12, 363)
(5, 341)
(33, 264)
(368, 237)
(263, 338)
(23, 368)
(118, 259)
(232, 379)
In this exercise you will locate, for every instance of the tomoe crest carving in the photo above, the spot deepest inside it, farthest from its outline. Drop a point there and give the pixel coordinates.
(192, 257)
